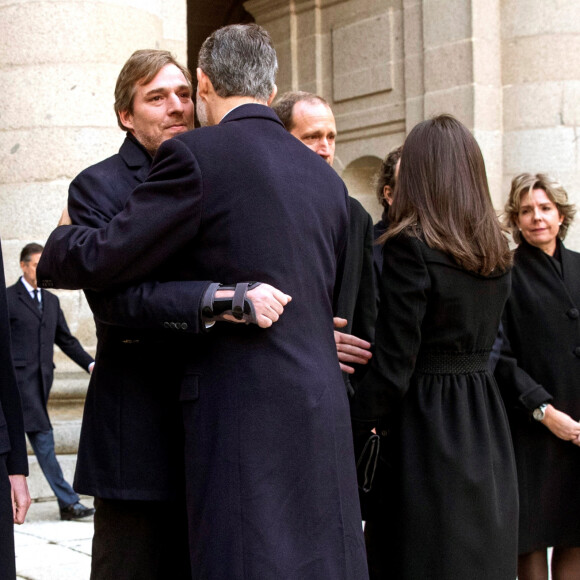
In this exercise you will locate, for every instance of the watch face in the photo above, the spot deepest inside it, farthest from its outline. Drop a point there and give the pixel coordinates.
(538, 414)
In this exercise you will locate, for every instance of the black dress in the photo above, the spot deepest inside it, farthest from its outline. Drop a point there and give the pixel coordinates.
(540, 362)
(451, 500)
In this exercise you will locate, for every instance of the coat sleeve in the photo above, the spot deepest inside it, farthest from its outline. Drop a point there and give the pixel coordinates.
(70, 344)
(161, 216)
(93, 202)
(150, 305)
(11, 421)
(517, 387)
(405, 286)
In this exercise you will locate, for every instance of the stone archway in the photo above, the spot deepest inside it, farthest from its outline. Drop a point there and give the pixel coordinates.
(359, 176)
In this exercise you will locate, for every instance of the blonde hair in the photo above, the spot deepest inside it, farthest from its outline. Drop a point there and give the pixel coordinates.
(523, 184)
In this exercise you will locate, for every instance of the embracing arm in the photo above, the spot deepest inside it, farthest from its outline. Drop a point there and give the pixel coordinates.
(94, 200)
(161, 216)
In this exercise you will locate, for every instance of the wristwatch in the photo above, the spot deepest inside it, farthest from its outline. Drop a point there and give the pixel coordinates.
(540, 412)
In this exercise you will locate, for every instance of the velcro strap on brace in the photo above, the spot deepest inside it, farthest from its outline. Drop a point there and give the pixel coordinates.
(239, 306)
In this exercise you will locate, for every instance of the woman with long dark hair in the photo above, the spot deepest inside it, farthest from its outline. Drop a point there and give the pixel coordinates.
(450, 501)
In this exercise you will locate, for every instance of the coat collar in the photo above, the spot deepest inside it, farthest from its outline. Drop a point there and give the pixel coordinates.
(133, 153)
(251, 110)
(537, 260)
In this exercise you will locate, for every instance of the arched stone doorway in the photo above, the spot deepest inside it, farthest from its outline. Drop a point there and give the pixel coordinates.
(359, 176)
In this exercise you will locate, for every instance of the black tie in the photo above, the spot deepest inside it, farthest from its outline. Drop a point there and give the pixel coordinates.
(37, 299)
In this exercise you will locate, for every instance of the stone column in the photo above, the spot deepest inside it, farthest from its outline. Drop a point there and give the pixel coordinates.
(541, 75)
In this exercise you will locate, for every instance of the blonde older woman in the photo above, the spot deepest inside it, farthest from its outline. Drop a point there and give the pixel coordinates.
(539, 375)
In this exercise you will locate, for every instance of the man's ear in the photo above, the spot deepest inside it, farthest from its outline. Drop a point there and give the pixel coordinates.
(126, 120)
(204, 84)
(272, 95)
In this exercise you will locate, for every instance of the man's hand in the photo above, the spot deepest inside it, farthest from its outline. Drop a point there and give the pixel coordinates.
(268, 304)
(350, 349)
(65, 218)
(20, 497)
(562, 425)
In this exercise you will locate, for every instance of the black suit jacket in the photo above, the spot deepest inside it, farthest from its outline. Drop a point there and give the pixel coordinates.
(356, 300)
(268, 436)
(131, 444)
(12, 441)
(34, 335)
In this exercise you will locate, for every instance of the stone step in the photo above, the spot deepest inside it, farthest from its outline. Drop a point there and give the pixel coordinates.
(37, 484)
(69, 386)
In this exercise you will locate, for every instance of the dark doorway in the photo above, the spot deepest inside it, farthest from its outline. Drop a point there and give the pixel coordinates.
(203, 17)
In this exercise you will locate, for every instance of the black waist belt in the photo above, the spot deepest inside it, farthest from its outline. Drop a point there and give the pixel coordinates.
(452, 363)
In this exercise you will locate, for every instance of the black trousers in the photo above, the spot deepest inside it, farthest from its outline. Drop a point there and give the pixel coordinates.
(140, 540)
(7, 559)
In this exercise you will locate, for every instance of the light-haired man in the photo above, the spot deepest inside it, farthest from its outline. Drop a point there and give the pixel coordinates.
(270, 474)
(131, 449)
(310, 119)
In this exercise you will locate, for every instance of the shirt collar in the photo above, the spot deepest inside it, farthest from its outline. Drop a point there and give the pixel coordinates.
(30, 288)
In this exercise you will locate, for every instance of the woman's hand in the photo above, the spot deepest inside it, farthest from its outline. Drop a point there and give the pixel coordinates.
(562, 425)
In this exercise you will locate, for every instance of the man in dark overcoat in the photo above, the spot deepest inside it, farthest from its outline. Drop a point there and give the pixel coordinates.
(270, 476)
(37, 323)
(14, 496)
(309, 118)
(131, 448)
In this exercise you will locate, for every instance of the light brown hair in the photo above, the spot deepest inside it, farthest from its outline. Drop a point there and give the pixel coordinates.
(443, 197)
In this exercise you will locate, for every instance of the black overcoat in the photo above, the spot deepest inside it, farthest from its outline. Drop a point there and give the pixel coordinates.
(540, 362)
(451, 510)
(34, 335)
(131, 444)
(12, 441)
(271, 482)
(356, 299)
(13, 458)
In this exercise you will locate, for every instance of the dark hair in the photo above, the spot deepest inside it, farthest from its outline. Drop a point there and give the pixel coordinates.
(29, 250)
(240, 61)
(141, 68)
(284, 106)
(443, 197)
(386, 174)
(523, 184)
